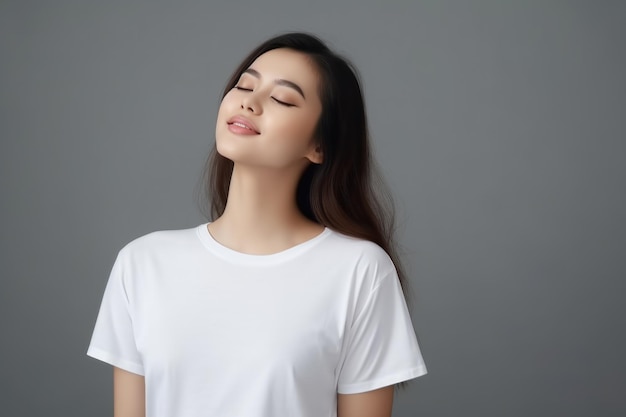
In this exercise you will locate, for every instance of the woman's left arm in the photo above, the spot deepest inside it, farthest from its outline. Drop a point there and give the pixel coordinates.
(376, 403)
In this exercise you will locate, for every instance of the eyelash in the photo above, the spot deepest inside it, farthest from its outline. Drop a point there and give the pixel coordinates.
(282, 103)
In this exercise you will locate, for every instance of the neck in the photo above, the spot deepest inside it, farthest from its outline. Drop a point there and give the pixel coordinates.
(261, 214)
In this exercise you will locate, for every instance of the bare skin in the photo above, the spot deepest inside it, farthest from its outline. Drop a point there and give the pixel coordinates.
(129, 396)
(261, 216)
(377, 403)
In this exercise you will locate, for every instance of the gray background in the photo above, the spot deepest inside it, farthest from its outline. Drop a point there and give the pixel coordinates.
(499, 125)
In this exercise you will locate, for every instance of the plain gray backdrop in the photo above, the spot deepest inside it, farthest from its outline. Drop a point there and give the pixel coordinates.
(499, 125)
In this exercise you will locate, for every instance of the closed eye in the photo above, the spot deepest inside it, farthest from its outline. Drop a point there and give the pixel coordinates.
(283, 102)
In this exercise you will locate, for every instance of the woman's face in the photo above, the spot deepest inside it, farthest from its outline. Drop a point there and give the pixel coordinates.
(269, 118)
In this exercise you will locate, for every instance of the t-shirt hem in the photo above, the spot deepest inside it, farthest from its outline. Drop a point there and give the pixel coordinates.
(115, 360)
(383, 382)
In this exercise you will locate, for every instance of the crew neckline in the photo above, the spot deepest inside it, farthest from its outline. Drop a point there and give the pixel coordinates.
(245, 258)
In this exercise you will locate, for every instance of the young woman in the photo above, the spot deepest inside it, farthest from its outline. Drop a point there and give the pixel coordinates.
(288, 303)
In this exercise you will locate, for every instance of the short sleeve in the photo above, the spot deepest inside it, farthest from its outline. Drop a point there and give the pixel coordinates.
(113, 338)
(382, 346)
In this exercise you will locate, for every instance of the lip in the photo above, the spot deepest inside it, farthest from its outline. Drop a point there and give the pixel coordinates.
(240, 124)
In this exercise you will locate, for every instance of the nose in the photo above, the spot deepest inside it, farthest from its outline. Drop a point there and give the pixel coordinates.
(250, 103)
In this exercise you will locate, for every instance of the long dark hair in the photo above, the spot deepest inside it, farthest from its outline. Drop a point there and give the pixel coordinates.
(344, 192)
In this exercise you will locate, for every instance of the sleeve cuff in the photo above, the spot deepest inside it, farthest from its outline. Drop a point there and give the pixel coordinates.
(382, 382)
(115, 360)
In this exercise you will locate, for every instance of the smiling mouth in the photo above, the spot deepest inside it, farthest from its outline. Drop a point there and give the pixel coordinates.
(240, 125)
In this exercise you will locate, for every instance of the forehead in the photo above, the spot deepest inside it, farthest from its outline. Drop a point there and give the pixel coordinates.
(288, 64)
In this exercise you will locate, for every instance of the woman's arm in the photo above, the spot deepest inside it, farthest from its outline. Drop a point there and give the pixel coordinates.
(129, 394)
(377, 403)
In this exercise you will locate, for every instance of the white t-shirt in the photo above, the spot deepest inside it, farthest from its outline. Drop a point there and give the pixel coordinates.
(220, 333)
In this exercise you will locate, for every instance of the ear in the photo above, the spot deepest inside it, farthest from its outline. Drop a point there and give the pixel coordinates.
(315, 155)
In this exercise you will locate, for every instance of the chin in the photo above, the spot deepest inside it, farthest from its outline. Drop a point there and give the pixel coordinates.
(230, 150)
(223, 150)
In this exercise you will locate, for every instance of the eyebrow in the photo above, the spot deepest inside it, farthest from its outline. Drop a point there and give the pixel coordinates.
(278, 81)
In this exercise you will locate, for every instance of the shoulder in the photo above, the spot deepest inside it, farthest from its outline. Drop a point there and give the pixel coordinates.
(349, 245)
(159, 242)
(363, 254)
(143, 260)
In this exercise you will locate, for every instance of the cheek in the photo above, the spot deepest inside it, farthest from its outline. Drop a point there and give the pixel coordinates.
(223, 111)
(298, 130)
(225, 105)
